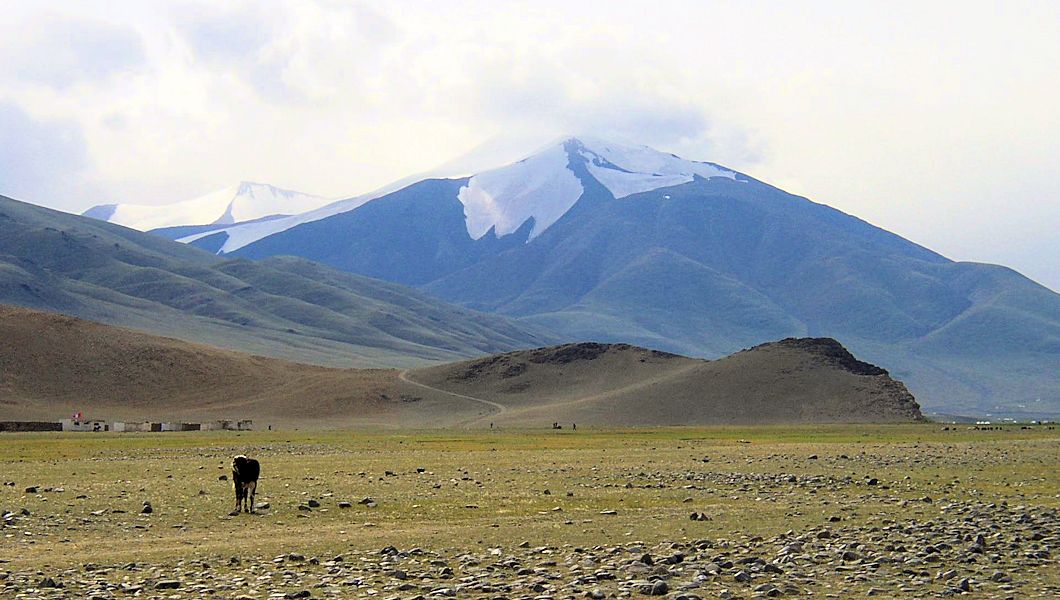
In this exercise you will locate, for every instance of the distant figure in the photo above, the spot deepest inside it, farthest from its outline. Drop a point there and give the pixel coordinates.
(245, 473)
(574, 426)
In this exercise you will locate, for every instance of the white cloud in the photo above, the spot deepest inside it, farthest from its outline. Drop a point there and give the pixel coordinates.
(61, 52)
(936, 123)
(32, 152)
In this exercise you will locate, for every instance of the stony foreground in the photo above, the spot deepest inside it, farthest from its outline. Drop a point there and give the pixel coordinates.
(997, 550)
(787, 522)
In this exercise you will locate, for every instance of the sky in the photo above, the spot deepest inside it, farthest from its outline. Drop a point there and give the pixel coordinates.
(938, 121)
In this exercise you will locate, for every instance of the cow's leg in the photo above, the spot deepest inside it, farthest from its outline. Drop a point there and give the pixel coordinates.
(241, 493)
(252, 489)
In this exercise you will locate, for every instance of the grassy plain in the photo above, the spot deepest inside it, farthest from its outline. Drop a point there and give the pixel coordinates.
(460, 492)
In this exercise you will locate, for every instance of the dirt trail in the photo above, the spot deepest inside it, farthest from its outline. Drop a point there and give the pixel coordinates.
(500, 408)
(628, 389)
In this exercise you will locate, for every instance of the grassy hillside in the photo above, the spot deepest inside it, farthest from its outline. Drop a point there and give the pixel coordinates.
(282, 307)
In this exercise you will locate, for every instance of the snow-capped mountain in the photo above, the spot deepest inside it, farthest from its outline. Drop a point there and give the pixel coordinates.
(542, 187)
(615, 242)
(245, 201)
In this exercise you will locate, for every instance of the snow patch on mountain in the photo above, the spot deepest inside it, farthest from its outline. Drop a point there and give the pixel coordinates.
(245, 201)
(243, 234)
(541, 187)
(627, 170)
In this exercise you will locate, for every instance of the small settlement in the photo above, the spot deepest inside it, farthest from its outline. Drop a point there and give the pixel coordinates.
(98, 425)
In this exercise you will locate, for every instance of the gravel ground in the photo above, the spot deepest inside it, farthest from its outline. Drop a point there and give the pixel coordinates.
(926, 534)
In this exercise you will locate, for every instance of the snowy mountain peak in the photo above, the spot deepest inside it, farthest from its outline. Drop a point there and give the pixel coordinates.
(542, 186)
(254, 188)
(254, 200)
(247, 187)
(244, 201)
(626, 170)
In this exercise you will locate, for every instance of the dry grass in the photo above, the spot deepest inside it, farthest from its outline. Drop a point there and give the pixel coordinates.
(482, 489)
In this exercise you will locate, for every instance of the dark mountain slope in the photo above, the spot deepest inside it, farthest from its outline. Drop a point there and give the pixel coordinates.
(819, 267)
(409, 237)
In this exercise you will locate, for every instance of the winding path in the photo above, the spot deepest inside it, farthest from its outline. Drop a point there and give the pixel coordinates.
(500, 408)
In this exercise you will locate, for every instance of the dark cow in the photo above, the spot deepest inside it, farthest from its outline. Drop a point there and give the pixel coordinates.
(245, 473)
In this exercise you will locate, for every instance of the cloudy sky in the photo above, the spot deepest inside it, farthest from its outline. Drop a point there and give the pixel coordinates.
(936, 120)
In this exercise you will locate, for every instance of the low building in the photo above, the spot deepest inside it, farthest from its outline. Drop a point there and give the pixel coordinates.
(88, 425)
(16, 426)
(228, 425)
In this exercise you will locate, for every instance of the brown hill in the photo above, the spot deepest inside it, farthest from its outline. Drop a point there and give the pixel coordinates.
(52, 365)
(794, 380)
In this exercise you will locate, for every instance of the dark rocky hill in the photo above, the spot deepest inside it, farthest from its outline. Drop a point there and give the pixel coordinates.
(790, 381)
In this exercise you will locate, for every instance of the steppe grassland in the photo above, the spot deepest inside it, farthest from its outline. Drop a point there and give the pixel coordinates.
(467, 491)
